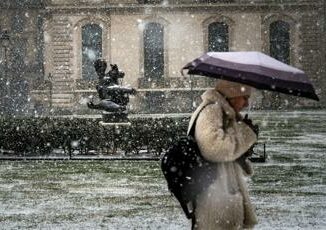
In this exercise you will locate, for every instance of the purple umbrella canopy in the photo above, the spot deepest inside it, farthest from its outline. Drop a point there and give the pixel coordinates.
(255, 69)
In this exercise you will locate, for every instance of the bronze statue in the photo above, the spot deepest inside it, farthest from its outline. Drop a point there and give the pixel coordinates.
(113, 97)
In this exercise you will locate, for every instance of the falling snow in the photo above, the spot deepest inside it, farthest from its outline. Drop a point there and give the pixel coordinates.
(44, 63)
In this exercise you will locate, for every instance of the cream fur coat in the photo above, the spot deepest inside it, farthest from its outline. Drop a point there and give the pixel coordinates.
(222, 139)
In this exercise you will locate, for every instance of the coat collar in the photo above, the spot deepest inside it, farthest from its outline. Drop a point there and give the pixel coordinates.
(211, 96)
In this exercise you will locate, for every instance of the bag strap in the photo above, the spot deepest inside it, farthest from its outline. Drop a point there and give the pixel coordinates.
(191, 131)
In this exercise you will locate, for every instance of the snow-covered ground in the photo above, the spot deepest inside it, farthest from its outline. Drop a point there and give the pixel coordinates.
(289, 191)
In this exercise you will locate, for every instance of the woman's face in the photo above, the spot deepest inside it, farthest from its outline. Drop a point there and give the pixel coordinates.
(239, 103)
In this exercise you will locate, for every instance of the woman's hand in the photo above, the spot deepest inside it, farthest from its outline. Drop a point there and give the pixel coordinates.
(254, 127)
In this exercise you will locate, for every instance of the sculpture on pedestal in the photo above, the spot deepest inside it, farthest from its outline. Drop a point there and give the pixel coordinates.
(113, 97)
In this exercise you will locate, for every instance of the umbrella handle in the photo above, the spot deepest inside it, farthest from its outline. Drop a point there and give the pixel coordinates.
(249, 107)
(182, 72)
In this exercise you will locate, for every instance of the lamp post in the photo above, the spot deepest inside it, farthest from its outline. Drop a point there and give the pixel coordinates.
(4, 42)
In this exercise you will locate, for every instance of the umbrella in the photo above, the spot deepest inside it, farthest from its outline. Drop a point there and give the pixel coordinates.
(255, 69)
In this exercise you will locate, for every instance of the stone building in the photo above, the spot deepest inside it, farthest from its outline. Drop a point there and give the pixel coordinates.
(151, 40)
(21, 53)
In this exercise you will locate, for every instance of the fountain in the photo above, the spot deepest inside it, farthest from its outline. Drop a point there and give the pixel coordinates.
(114, 97)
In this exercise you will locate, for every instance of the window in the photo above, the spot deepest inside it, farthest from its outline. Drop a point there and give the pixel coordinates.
(91, 49)
(218, 37)
(153, 50)
(280, 41)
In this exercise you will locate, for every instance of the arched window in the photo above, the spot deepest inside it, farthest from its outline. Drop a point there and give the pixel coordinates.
(218, 37)
(153, 50)
(280, 41)
(91, 49)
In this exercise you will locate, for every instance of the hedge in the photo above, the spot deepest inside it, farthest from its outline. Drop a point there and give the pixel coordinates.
(41, 136)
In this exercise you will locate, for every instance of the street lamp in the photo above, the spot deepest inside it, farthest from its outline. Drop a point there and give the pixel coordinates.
(5, 42)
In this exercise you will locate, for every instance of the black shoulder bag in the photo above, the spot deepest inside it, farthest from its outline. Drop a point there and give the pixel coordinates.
(187, 173)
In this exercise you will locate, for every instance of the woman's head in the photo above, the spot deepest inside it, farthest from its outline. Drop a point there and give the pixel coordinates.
(237, 94)
(239, 103)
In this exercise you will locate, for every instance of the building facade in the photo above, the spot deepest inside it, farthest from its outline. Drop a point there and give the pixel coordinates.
(152, 40)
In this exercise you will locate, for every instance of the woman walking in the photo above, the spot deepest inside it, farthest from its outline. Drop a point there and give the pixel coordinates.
(224, 137)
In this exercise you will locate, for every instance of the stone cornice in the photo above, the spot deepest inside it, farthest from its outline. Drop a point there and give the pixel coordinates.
(185, 7)
(19, 5)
